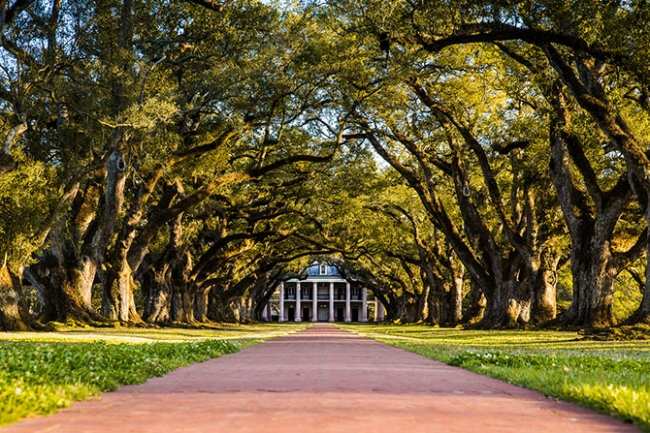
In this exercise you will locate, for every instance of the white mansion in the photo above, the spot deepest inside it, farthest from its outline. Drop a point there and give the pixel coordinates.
(322, 295)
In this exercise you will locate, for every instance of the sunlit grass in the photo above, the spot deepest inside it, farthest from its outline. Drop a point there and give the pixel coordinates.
(560, 340)
(225, 331)
(611, 376)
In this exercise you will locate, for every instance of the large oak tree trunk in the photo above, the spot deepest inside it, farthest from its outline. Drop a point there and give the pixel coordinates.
(169, 296)
(408, 308)
(70, 283)
(477, 304)
(593, 286)
(242, 309)
(119, 284)
(183, 290)
(70, 290)
(445, 303)
(433, 311)
(456, 294)
(158, 290)
(218, 306)
(593, 271)
(593, 264)
(437, 305)
(79, 283)
(11, 317)
(78, 247)
(508, 306)
(201, 304)
(182, 308)
(544, 307)
(642, 314)
(118, 302)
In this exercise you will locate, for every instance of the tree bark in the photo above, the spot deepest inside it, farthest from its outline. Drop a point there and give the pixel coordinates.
(593, 285)
(477, 303)
(182, 308)
(11, 316)
(456, 292)
(158, 289)
(642, 314)
(201, 304)
(69, 282)
(438, 303)
(165, 281)
(219, 308)
(592, 261)
(544, 307)
(183, 289)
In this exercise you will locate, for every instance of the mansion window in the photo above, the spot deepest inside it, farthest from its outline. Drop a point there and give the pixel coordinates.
(323, 269)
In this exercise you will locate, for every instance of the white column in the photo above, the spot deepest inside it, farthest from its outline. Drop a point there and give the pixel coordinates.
(281, 319)
(314, 303)
(379, 311)
(331, 318)
(348, 312)
(364, 305)
(265, 317)
(298, 315)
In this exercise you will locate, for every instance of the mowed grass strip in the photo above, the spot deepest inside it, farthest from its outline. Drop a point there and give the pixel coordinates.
(41, 372)
(221, 331)
(610, 376)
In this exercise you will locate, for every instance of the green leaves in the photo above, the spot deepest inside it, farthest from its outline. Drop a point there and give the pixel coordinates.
(25, 196)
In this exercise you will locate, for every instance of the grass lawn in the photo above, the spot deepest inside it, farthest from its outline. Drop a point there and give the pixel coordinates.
(41, 372)
(610, 376)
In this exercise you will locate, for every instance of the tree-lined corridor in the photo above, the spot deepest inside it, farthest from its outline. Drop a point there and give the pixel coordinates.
(466, 180)
(470, 177)
(482, 164)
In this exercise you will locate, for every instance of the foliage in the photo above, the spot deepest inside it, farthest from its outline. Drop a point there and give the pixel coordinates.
(483, 163)
(26, 194)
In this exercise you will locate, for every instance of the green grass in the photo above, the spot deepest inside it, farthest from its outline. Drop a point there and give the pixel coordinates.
(610, 376)
(225, 331)
(43, 372)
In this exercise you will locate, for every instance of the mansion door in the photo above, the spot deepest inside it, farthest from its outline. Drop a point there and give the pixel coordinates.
(323, 314)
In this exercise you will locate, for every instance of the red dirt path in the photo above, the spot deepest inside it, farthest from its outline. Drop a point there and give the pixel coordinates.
(322, 380)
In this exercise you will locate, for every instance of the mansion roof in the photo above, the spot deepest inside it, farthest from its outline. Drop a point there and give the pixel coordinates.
(322, 270)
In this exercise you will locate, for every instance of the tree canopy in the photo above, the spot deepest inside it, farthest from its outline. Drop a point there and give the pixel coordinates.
(484, 162)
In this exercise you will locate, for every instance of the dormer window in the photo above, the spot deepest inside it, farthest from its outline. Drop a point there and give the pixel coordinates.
(323, 269)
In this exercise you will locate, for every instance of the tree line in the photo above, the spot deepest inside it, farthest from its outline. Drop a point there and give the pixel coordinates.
(478, 162)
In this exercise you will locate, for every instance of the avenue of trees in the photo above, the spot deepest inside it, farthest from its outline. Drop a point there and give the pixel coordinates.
(484, 163)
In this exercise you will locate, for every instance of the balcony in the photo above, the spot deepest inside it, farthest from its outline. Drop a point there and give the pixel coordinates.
(322, 296)
(303, 297)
